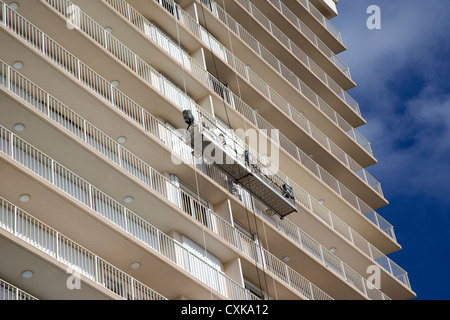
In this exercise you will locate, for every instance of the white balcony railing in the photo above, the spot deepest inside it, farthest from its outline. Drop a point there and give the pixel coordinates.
(300, 55)
(56, 111)
(138, 114)
(10, 292)
(280, 6)
(273, 61)
(282, 37)
(48, 240)
(302, 28)
(320, 17)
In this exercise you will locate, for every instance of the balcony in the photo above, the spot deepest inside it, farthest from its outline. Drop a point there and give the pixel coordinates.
(265, 26)
(327, 7)
(251, 25)
(331, 93)
(307, 40)
(54, 248)
(138, 169)
(317, 22)
(10, 292)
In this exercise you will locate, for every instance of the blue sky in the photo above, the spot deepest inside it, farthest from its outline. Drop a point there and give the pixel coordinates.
(402, 73)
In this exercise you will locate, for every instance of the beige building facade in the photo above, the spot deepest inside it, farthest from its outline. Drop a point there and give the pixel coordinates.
(185, 150)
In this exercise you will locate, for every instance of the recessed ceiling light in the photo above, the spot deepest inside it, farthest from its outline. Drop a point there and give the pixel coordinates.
(14, 5)
(121, 139)
(24, 198)
(27, 274)
(321, 201)
(19, 127)
(135, 265)
(18, 65)
(108, 29)
(115, 83)
(333, 250)
(128, 199)
(286, 259)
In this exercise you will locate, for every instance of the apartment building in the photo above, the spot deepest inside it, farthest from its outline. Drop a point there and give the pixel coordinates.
(189, 149)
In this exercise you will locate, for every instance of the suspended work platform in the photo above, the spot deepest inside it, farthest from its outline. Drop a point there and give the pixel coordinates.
(219, 146)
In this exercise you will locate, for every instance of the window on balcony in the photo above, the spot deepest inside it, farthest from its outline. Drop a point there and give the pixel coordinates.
(172, 8)
(207, 271)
